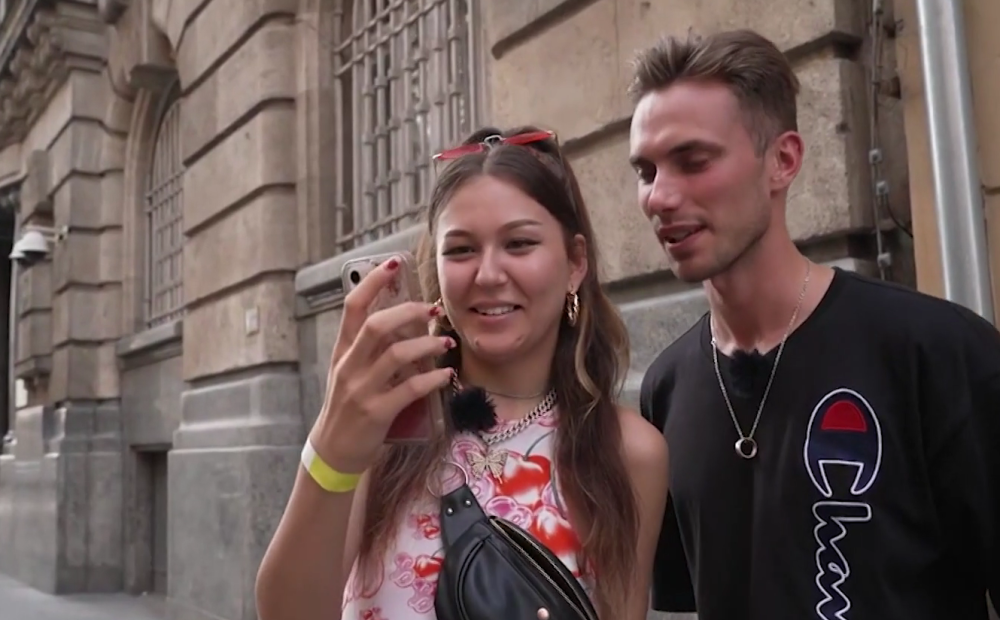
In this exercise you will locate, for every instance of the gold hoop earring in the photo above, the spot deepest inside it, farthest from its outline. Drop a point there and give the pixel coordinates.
(572, 308)
(441, 320)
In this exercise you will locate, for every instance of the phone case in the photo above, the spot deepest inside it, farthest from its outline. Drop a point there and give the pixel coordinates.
(424, 418)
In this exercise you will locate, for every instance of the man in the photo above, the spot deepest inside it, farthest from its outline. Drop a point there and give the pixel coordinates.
(833, 438)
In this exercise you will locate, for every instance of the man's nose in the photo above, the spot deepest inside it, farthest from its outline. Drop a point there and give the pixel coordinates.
(664, 195)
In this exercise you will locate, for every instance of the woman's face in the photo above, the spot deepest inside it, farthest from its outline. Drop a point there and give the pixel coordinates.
(504, 269)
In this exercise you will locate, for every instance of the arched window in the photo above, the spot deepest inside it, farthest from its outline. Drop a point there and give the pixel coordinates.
(403, 91)
(164, 210)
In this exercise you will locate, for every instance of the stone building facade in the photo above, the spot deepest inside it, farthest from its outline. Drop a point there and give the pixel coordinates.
(203, 168)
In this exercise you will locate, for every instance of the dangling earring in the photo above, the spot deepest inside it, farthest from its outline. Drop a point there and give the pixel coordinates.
(441, 320)
(572, 308)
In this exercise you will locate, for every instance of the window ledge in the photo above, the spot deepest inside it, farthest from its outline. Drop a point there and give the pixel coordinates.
(320, 287)
(33, 367)
(152, 338)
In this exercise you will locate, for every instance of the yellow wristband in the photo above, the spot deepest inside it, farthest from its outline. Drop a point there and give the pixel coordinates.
(328, 478)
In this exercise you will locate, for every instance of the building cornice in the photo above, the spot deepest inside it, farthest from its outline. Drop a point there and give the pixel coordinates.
(42, 42)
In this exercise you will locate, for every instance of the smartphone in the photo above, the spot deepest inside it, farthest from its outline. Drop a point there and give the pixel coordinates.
(423, 419)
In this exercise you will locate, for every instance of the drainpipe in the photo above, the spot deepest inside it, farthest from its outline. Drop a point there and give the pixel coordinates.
(12, 339)
(958, 196)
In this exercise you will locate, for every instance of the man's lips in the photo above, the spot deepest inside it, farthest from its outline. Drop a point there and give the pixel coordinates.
(676, 233)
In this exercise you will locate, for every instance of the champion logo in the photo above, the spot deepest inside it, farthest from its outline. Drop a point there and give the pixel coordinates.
(843, 435)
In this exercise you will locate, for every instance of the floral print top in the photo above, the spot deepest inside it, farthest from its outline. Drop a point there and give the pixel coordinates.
(525, 493)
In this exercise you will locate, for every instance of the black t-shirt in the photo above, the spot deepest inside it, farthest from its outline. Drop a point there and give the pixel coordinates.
(874, 495)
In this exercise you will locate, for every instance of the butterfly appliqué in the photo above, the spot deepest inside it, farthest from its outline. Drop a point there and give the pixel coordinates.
(492, 461)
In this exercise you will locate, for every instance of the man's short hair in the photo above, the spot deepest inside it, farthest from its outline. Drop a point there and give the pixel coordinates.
(751, 66)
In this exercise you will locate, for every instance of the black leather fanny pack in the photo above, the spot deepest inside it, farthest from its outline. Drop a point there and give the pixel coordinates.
(494, 570)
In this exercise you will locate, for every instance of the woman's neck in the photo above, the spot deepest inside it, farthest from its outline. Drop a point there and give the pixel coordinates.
(516, 388)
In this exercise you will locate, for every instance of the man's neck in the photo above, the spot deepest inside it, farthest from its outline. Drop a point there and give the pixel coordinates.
(752, 303)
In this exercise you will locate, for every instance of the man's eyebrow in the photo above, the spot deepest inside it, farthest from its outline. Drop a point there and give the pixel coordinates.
(683, 148)
(696, 145)
(637, 160)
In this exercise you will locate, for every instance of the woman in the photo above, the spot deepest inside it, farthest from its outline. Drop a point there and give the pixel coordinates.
(510, 252)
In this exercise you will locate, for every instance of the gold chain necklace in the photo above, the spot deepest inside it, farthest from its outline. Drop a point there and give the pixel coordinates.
(746, 445)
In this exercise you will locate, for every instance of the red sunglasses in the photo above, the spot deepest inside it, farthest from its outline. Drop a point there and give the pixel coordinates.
(494, 141)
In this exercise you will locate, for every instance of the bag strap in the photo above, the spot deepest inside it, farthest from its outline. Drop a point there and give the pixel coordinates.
(460, 510)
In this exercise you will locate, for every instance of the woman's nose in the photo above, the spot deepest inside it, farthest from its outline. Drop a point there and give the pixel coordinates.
(491, 271)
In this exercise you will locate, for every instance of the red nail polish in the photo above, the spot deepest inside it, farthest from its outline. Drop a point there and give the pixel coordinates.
(435, 310)
(392, 264)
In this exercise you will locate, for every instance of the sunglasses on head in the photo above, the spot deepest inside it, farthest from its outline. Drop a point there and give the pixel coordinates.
(491, 142)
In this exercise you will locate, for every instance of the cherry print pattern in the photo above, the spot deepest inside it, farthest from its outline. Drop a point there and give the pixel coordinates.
(524, 478)
(508, 508)
(424, 525)
(526, 495)
(418, 574)
(372, 613)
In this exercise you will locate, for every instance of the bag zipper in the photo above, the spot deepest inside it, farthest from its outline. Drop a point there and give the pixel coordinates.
(543, 572)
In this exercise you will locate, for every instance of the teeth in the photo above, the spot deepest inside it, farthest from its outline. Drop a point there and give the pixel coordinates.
(496, 311)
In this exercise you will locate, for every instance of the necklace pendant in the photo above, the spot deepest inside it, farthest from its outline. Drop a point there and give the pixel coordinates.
(746, 447)
(492, 461)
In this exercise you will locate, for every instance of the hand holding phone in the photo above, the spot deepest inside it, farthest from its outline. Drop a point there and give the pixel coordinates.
(382, 366)
(423, 418)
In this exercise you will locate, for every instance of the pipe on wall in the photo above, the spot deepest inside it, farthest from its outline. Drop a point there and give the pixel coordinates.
(958, 196)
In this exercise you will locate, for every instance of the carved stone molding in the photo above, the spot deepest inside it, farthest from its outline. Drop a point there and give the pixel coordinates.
(147, 60)
(36, 187)
(111, 10)
(42, 43)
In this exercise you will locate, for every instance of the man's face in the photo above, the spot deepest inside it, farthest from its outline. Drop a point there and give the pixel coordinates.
(701, 183)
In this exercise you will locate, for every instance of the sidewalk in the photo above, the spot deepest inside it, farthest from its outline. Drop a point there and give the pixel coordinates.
(19, 602)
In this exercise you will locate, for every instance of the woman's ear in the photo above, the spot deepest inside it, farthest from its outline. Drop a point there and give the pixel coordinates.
(578, 262)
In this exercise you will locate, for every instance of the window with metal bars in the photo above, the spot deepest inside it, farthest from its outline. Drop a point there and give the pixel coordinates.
(403, 91)
(164, 209)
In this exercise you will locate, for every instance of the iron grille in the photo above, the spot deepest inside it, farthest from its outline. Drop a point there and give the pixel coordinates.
(165, 221)
(403, 91)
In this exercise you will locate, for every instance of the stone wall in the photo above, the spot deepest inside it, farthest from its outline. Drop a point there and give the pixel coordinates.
(61, 513)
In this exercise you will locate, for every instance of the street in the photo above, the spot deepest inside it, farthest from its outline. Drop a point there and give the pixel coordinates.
(19, 602)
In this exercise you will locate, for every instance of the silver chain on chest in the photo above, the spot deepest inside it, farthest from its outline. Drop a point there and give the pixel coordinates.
(746, 445)
(494, 460)
(543, 407)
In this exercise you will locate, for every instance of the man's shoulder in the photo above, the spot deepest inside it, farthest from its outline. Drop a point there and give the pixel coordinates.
(888, 295)
(931, 323)
(907, 307)
(677, 351)
(661, 374)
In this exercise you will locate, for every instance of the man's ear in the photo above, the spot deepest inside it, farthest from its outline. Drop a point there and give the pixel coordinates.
(787, 153)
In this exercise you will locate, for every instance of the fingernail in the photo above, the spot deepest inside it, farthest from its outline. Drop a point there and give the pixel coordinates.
(449, 343)
(392, 263)
(435, 310)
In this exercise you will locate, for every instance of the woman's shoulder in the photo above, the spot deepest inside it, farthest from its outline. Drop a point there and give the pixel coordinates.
(643, 444)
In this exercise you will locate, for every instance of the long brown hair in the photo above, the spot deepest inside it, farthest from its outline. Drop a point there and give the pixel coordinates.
(587, 373)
